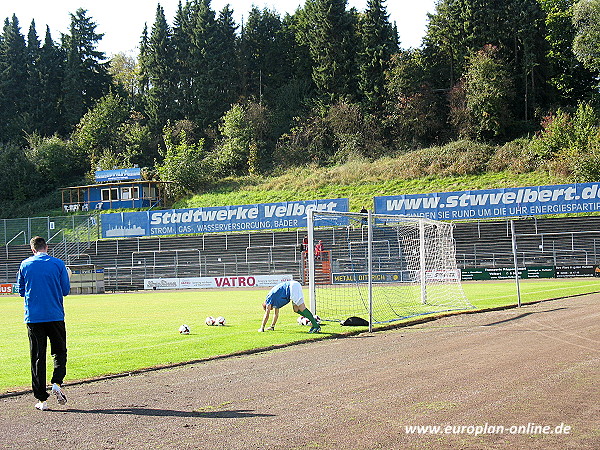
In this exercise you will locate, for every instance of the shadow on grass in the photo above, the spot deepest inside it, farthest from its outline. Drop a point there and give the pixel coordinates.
(223, 414)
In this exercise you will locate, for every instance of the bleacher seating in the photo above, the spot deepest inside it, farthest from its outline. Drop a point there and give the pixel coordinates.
(127, 262)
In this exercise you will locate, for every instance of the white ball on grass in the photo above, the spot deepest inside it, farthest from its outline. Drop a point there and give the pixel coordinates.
(303, 321)
(184, 329)
(210, 320)
(220, 321)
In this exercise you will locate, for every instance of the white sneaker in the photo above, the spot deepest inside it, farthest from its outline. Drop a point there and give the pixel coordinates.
(60, 395)
(42, 406)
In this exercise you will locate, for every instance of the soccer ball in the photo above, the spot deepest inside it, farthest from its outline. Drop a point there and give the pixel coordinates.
(220, 321)
(318, 319)
(210, 320)
(303, 321)
(184, 329)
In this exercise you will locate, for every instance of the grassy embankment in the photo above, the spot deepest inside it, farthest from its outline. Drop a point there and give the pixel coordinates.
(359, 181)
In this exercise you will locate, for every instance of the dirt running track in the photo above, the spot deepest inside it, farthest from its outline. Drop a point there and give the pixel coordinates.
(536, 365)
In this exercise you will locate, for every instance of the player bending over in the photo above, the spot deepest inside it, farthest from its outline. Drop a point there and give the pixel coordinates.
(281, 295)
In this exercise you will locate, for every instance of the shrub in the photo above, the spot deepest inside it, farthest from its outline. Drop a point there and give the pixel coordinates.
(184, 164)
(568, 144)
(515, 156)
(586, 165)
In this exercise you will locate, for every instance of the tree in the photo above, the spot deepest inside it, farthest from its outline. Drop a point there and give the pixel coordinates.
(378, 45)
(13, 81)
(586, 19)
(415, 115)
(34, 80)
(262, 54)
(328, 30)
(203, 63)
(53, 159)
(124, 70)
(226, 71)
(276, 70)
(183, 163)
(354, 132)
(51, 69)
(96, 134)
(21, 182)
(144, 66)
(234, 151)
(570, 143)
(460, 28)
(182, 62)
(86, 72)
(484, 114)
(158, 61)
(571, 81)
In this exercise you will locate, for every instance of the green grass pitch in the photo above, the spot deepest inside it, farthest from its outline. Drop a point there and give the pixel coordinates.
(117, 333)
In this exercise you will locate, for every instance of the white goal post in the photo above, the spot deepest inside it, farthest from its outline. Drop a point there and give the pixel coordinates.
(381, 267)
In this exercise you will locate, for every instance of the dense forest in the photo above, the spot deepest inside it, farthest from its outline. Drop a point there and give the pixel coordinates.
(208, 98)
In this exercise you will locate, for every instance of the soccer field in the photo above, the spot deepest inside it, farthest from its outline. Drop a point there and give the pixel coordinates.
(119, 333)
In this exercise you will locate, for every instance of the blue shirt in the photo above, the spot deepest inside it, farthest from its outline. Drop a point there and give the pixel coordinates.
(43, 281)
(279, 296)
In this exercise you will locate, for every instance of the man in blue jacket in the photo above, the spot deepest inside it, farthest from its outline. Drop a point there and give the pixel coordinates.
(43, 280)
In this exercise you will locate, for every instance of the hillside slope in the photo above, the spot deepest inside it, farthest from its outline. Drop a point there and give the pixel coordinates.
(358, 181)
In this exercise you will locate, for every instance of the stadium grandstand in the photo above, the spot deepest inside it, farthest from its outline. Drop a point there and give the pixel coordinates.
(568, 241)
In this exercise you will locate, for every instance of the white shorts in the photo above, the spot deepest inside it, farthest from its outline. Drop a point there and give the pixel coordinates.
(296, 294)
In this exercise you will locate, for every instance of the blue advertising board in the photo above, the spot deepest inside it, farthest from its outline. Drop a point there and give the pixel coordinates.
(265, 216)
(489, 203)
(134, 173)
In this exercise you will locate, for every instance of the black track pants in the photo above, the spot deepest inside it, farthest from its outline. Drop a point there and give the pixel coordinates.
(39, 334)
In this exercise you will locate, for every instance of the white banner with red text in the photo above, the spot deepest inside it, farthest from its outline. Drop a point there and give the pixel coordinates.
(241, 281)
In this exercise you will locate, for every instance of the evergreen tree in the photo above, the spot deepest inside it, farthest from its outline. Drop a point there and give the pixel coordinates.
(328, 30)
(204, 62)
(182, 64)
(51, 70)
(158, 65)
(143, 78)
(378, 44)
(261, 55)
(227, 79)
(13, 82)
(33, 111)
(290, 86)
(86, 72)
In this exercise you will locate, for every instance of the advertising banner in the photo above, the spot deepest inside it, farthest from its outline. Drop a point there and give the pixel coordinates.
(133, 173)
(244, 281)
(8, 288)
(378, 277)
(489, 203)
(402, 276)
(577, 271)
(265, 216)
(506, 273)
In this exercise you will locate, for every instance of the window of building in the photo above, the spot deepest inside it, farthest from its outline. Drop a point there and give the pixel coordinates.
(110, 194)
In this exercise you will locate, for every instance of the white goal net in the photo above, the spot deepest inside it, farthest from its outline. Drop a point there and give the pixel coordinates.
(381, 267)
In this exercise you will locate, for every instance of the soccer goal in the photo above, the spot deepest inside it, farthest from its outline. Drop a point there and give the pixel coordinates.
(381, 267)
